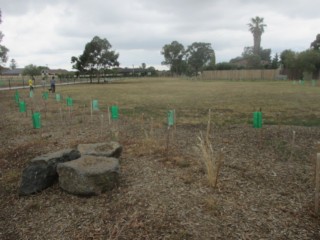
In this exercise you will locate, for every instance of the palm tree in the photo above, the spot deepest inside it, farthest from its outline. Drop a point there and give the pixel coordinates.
(256, 27)
(316, 43)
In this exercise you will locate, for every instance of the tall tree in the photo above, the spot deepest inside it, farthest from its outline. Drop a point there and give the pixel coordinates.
(309, 62)
(288, 59)
(275, 62)
(96, 56)
(256, 27)
(32, 71)
(174, 56)
(289, 63)
(3, 50)
(13, 64)
(200, 55)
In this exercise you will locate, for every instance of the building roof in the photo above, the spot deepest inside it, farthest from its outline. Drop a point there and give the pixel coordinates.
(12, 72)
(57, 71)
(19, 71)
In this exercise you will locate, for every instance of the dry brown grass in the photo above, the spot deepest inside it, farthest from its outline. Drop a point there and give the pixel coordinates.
(212, 160)
(259, 193)
(230, 102)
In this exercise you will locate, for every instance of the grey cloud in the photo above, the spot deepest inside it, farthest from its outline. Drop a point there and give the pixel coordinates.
(138, 29)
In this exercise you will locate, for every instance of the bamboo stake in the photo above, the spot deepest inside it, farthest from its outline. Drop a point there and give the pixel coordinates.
(317, 185)
(45, 109)
(168, 140)
(175, 120)
(208, 126)
(83, 112)
(70, 114)
(101, 124)
(61, 115)
(91, 110)
(151, 128)
(109, 115)
(174, 125)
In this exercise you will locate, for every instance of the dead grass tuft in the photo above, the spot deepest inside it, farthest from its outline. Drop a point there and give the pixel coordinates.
(212, 160)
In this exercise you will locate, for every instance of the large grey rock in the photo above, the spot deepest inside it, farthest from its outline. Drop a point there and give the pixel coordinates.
(89, 175)
(42, 171)
(106, 149)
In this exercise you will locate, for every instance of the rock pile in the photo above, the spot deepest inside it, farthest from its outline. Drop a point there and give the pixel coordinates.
(88, 170)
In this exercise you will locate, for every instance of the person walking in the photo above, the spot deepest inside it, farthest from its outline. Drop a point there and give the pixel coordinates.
(53, 84)
(31, 84)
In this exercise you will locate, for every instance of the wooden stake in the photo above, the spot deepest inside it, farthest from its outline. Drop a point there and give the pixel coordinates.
(151, 128)
(208, 126)
(26, 108)
(175, 120)
(70, 113)
(45, 109)
(168, 140)
(109, 115)
(174, 125)
(83, 113)
(101, 124)
(317, 187)
(91, 110)
(61, 115)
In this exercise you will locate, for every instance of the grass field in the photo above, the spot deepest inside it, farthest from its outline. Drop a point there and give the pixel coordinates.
(231, 102)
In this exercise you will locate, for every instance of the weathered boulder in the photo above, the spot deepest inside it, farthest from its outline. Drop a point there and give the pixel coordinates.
(89, 175)
(42, 171)
(106, 149)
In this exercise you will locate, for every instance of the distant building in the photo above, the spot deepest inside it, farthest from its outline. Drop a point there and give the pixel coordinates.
(12, 72)
(57, 71)
(19, 71)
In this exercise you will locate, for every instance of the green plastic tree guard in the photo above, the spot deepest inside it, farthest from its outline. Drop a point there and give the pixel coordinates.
(114, 112)
(22, 106)
(36, 120)
(257, 119)
(170, 117)
(69, 102)
(31, 94)
(58, 97)
(45, 95)
(95, 105)
(16, 97)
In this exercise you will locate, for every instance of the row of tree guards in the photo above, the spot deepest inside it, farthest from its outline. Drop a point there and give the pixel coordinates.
(302, 82)
(36, 116)
(113, 110)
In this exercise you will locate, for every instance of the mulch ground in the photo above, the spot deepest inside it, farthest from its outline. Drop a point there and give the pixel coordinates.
(265, 188)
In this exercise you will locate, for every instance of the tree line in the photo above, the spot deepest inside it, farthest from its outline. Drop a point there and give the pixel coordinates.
(298, 64)
(98, 58)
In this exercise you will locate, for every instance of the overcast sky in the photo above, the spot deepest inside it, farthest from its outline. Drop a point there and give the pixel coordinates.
(50, 32)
